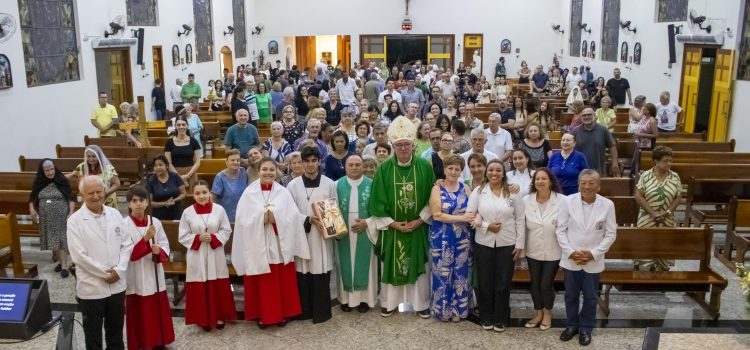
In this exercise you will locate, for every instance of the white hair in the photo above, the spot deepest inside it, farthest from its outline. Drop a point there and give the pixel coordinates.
(89, 179)
(477, 132)
(494, 116)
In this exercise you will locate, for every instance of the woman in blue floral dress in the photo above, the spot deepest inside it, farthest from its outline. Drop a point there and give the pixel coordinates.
(451, 245)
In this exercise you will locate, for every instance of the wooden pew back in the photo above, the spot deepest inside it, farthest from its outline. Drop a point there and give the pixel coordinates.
(127, 168)
(697, 157)
(9, 238)
(626, 210)
(679, 243)
(616, 186)
(105, 141)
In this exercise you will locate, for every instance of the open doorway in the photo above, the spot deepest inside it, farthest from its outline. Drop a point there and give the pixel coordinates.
(226, 59)
(158, 63)
(473, 44)
(332, 50)
(706, 90)
(113, 74)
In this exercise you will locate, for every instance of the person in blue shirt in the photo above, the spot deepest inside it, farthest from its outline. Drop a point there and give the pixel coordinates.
(242, 135)
(567, 164)
(334, 163)
(229, 184)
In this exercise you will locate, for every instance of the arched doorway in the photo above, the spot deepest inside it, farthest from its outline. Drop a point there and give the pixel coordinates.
(226, 59)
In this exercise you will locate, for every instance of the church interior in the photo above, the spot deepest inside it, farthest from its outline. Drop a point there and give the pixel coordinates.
(58, 56)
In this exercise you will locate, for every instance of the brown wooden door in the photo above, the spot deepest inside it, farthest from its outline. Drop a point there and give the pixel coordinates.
(305, 52)
(158, 65)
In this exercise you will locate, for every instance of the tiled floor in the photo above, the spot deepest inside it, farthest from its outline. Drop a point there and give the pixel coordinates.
(633, 311)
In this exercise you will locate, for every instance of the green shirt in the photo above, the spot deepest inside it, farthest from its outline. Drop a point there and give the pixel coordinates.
(191, 93)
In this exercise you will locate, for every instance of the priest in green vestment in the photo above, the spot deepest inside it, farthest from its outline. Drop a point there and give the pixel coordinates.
(358, 267)
(399, 208)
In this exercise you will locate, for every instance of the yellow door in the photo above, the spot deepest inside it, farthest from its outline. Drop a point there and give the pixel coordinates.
(691, 70)
(116, 68)
(721, 96)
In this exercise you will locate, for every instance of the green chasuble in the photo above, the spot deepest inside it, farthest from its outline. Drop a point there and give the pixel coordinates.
(358, 280)
(401, 192)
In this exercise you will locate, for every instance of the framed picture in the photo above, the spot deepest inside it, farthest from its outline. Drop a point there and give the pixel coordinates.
(584, 48)
(505, 46)
(175, 55)
(188, 53)
(624, 52)
(6, 77)
(592, 50)
(637, 53)
(273, 47)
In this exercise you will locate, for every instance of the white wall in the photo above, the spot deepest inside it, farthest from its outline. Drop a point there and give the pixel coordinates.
(43, 116)
(498, 20)
(649, 78)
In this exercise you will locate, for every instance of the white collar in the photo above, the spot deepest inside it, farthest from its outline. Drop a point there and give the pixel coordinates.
(404, 164)
(354, 183)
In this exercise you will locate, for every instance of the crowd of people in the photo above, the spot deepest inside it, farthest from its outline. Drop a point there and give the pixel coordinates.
(438, 208)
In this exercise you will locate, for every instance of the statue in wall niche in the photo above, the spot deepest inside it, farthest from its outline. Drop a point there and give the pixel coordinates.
(637, 53)
(6, 77)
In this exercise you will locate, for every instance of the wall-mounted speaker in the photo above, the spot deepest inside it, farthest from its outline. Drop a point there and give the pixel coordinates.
(139, 57)
(670, 38)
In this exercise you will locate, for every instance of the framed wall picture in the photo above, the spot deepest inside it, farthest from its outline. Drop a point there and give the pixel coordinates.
(175, 55)
(273, 47)
(6, 77)
(624, 52)
(584, 49)
(188, 53)
(637, 53)
(505, 46)
(592, 50)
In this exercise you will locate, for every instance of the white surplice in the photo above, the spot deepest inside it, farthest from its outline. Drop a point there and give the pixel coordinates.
(255, 245)
(205, 264)
(321, 249)
(140, 273)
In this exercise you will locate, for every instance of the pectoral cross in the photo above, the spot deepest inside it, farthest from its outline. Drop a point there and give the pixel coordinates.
(268, 206)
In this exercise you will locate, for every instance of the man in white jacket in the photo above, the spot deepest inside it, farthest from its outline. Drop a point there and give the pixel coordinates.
(586, 229)
(101, 251)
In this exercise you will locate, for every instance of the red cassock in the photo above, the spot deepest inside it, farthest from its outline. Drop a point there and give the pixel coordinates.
(208, 293)
(147, 312)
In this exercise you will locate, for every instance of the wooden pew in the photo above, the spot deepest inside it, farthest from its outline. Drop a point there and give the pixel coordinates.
(209, 168)
(710, 170)
(737, 240)
(176, 268)
(666, 243)
(127, 169)
(682, 243)
(10, 249)
(626, 210)
(616, 186)
(663, 136)
(146, 154)
(712, 192)
(697, 157)
(626, 148)
(105, 141)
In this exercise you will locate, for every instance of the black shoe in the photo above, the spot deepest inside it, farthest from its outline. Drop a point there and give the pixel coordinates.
(385, 312)
(58, 268)
(568, 333)
(64, 273)
(262, 326)
(206, 329)
(220, 325)
(282, 323)
(425, 314)
(584, 338)
(346, 308)
(362, 308)
(487, 325)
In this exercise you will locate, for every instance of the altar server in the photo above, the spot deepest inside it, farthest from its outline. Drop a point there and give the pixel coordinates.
(204, 229)
(268, 235)
(314, 274)
(149, 318)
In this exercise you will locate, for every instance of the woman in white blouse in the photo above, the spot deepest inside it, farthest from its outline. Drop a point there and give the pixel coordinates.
(519, 178)
(500, 238)
(542, 250)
